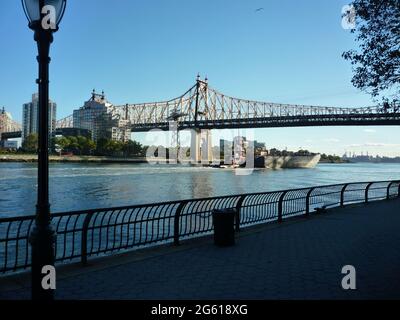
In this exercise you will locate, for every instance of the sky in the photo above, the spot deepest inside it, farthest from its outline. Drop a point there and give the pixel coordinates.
(151, 50)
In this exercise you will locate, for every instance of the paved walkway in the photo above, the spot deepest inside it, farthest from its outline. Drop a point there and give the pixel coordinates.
(299, 259)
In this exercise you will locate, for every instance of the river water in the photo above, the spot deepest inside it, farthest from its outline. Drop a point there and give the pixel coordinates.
(89, 186)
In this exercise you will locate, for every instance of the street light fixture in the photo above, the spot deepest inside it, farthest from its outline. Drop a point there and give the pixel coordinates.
(44, 17)
(34, 10)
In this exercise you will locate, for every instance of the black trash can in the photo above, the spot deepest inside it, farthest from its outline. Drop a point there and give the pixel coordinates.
(224, 227)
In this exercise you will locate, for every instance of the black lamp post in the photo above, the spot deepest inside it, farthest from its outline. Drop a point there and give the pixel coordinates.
(44, 17)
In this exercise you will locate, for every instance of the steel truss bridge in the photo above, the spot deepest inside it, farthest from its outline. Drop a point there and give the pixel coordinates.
(202, 107)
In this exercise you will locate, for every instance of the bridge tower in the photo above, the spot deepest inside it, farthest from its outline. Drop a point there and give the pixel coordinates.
(201, 142)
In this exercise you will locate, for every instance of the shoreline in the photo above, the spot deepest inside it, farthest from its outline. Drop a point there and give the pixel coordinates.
(70, 159)
(31, 158)
(334, 162)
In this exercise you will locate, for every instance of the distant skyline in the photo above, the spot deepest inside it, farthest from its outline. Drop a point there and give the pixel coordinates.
(138, 51)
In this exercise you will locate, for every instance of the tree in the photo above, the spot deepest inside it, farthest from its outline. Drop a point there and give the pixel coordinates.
(377, 63)
(101, 148)
(114, 148)
(73, 145)
(30, 143)
(88, 146)
(107, 147)
(133, 148)
(78, 145)
(61, 142)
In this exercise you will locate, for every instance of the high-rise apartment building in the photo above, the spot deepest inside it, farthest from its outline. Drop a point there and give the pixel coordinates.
(6, 122)
(30, 117)
(98, 116)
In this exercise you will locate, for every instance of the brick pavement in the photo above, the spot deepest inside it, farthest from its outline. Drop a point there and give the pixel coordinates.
(299, 259)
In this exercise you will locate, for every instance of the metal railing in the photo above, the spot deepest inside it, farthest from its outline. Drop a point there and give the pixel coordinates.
(88, 233)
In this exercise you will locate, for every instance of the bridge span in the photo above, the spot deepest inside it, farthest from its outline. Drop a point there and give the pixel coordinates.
(203, 108)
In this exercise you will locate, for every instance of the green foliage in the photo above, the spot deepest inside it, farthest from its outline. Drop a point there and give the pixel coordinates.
(30, 144)
(133, 148)
(104, 147)
(107, 147)
(377, 63)
(330, 158)
(303, 153)
(62, 142)
(77, 145)
(89, 146)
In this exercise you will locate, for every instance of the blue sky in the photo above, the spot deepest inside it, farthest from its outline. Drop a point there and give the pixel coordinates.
(147, 50)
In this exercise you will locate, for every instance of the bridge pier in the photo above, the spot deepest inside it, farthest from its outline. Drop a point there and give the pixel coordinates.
(195, 145)
(206, 147)
(201, 146)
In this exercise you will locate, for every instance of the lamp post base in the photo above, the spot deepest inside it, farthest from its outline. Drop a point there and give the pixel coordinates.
(42, 240)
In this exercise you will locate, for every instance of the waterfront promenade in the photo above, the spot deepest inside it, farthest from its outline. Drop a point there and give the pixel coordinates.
(301, 258)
